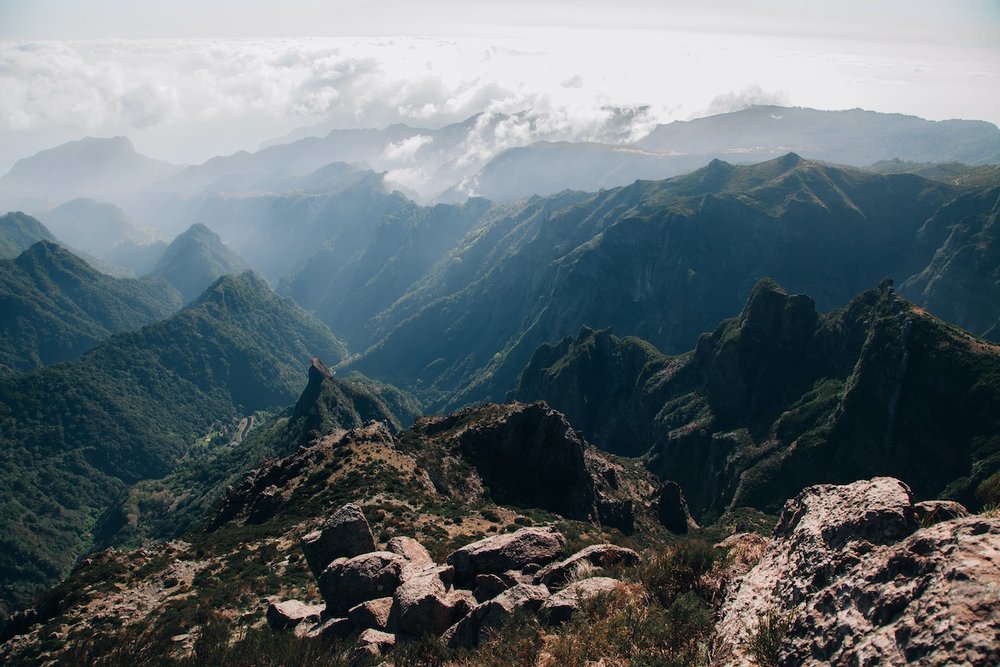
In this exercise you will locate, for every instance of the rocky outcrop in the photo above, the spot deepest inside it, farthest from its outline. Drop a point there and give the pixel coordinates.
(506, 552)
(596, 555)
(854, 580)
(930, 599)
(528, 455)
(562, 605)
(345, 534)
(672, 509)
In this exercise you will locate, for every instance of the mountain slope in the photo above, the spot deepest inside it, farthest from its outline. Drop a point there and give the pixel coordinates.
(105, 231)
(74, 434)
(18, 232)
(55, 307)
(195, 259)
(661, 260)
(90, 167)
(782, 397)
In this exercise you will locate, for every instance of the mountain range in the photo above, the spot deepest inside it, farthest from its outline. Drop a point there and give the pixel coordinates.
(623, 360)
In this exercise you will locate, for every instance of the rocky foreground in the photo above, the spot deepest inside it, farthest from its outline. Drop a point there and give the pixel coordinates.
(855, 574)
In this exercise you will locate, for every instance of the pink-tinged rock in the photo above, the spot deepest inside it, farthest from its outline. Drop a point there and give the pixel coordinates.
(373, 614)
(345, 584)
(372, 645)
(597, 555)
(345, 534)
(499, 553)
(287, 614)
(488, 617)
(423, 604)
(821, 535)
(411, 550)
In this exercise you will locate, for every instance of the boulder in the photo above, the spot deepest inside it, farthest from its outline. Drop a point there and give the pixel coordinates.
(345, 534)
(489, 586)
(371, 614)
(822, 533)
(489, 616)
(931, 599)
(286, 614)
(423, 604)
(331, 628)
(411, 550)
(672, 509)
(372, 645)
(346, 583)
(559, 607)
(598, 555)
(499, 553)
(930, 512)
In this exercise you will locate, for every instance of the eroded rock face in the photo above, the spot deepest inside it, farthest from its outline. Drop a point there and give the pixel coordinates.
(933, 599)
(597, 555)
(562, 605)
(346, 583)
(345, 534)
(859, 583)
(500, 553)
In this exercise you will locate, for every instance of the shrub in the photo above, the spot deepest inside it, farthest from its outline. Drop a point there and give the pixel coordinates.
(764, 642)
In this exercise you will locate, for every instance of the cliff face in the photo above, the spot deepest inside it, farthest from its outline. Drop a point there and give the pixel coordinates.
(782, 397)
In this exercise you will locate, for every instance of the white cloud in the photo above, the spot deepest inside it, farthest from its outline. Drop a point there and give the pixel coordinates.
(406, 150)
(737, 100)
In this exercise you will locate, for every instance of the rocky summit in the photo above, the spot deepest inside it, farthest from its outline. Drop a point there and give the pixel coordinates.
(851, 577)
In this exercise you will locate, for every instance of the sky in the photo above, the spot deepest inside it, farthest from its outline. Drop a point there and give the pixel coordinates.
(187, 80)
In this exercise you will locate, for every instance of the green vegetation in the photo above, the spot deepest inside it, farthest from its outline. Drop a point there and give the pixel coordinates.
(18, 232)
(764, 641)
(793, 398)
(75, 434)
(56, 307)
(194, 260)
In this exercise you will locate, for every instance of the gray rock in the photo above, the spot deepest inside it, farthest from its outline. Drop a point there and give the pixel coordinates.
(499, 553)
(411, 550)
(423, 604)
(598, 555)
(559, 607)
(286, 614)
(930, 512)
(331, 628)
(345, 534)
(347, 583)
(372, 645)
(489, 616)
(371, 614)
(822, 533)
(932, 599)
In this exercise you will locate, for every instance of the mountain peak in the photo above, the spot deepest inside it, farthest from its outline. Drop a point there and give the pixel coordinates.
(196, 259)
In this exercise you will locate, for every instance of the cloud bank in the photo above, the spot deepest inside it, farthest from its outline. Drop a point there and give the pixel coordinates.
(187, 100)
